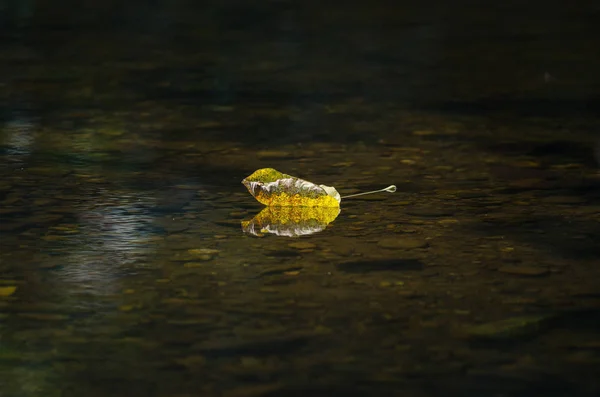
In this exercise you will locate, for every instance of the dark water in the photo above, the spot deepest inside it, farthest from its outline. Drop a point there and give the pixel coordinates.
(127, 127)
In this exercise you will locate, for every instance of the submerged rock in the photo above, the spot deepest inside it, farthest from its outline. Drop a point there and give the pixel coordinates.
(375, 265)
(203, 251)
(402, 243)
(510, 328)
(302, 245)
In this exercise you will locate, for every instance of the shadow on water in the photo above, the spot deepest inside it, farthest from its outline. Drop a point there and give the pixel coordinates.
(574, 239)
(549, 108)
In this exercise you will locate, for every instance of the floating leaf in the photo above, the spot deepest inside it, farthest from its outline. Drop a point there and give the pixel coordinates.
(272, 188)
(290, 221)
(275, 189)
(295, 207)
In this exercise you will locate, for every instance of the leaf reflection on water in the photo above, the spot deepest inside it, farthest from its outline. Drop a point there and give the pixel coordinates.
(290, 221)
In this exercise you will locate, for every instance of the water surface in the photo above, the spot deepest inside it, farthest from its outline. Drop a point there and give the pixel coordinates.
(126, 130)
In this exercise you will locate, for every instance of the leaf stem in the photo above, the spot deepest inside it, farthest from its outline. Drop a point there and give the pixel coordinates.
(389, 189)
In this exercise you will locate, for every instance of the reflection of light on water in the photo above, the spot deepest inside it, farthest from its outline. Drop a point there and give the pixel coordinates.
(18, 135)
(114, 239)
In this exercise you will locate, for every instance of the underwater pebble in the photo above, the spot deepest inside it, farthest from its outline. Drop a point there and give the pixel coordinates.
(302, 245)
(273, 155)
(429, 212)
(280, 270)
(196, 264)
(203, 251)
(423, 132)
(44, 316)
(524, 270)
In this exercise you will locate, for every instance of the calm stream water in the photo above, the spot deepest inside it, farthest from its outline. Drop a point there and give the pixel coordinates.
(126, 129)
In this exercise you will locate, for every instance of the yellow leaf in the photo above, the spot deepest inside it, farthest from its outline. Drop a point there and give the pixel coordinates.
(272, 188)
(7, 291)
(290, 221)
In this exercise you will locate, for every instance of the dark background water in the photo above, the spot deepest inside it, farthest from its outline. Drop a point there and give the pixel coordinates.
(533, 58)
(126, 128)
